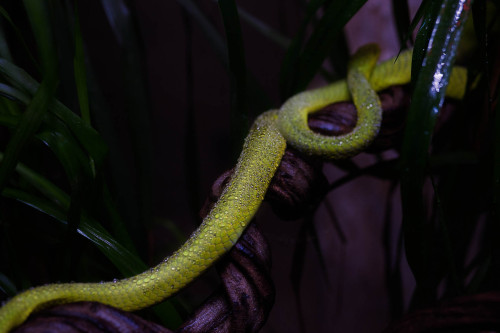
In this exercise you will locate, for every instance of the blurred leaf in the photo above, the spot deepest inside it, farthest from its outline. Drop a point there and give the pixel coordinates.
(87, 136)
(125, 261)
(124, 213)
(42, 31)
(29, 123)
(264, 29)
(297, 269)
(455, 283)
(322, 39)
(442, 36)
(4, 46)
(6, 53)
(32, 117)
(8, 105)
(237, 74)
(339, 58)
(212, 35)
(14, 94)
(7, 286)
(79, 68)
(191, 159)
(401, 14)
(68, 152)
(292, 55)
(49, 190)
(257, 98)
(62, 200)
(88, 228)
(453, 158)
(496, 156)
(125, 29)
(122, 22)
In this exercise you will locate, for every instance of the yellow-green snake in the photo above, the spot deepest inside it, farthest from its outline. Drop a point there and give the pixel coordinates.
(260, 157)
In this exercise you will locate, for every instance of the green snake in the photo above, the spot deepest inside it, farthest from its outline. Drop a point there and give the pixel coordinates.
(260, 157)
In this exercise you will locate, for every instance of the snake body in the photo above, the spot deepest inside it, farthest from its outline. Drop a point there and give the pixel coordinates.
(260, 157)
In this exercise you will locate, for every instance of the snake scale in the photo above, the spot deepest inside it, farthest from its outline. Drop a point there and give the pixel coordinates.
(260, 157)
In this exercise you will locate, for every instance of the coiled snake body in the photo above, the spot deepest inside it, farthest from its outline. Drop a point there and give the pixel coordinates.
(260, 157)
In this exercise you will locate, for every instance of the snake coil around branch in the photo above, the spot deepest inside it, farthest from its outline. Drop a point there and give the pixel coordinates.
(244, 300)
(261, 155)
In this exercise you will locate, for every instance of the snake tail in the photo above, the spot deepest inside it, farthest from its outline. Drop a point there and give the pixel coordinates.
(219, 231)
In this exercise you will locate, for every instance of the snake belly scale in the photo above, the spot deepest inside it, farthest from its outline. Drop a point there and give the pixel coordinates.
(260, 157)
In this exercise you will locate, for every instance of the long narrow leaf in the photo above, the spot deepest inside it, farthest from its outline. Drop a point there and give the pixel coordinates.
(14, 94)
(29, 124)
(41, 27)
(427, 100)
(125, 261)
(402, 18)
(19, 36)
(424, 34)
(4, 46)
(264, 28)
(288, 67)
(122, 21)
(87, 136)
(7, 286)
(257, 98)
(55, 195)
(338, 13)
(237, 73)
(207, 28)
(49, 190)
(80, 75)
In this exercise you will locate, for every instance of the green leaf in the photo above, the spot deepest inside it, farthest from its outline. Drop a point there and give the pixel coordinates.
(42, 31)
(80, 74)
(257, 98)
(7, 286)
(430, 14)
(291, 58)
(319, 45)
(55, 195)
(123, 24)
(47, 188)
(237, 74)
(14, 94)
(86, 135)
(29, 123)
(4, 45)
(124, 260)
(6, 53)
(191, 159)
(442, 35)
(68, 152)
(264, 29)
(423, 8)
(401, 14)
(212, 35)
